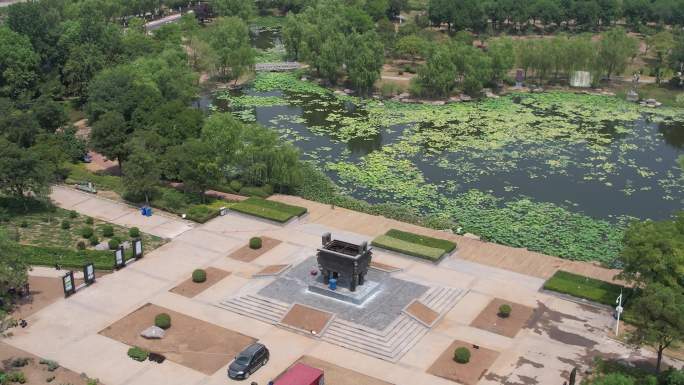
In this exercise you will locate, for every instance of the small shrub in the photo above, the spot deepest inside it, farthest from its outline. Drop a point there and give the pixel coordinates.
(134, 232)
(50, 379)
(81, 245)
(66, 224)
(462, 355)
(107, 231)
(255, 243)
(51, 365)
(173, 200)
(20, 362)
(199, 276)
(235, 185)
(505, 310)
(23, 224)
(113, 244)
(138, 354)
(16, 377)
(94, 240)
(162, 320)
(93, 381)
(89, 221)
(87, 232)
(73, 214)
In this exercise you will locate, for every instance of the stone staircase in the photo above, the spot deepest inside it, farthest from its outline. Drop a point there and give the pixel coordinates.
(397, 338)
(389, 344)
(256, 306)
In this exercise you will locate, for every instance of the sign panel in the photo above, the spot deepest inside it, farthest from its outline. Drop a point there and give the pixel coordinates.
(137, 248)
(89, 273)
(68, 284)
(119, 259)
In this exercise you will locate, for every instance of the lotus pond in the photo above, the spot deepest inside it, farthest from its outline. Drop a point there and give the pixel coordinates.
(559, 173)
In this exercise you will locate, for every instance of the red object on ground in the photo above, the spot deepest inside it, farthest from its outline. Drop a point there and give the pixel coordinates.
(301, 374)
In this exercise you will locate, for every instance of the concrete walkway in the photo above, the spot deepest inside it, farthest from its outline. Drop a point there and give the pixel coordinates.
(161, 224)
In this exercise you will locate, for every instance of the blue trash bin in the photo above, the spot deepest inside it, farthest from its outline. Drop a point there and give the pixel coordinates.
(332, 284)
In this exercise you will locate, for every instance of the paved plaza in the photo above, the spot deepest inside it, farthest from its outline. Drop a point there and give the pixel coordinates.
(558, 335)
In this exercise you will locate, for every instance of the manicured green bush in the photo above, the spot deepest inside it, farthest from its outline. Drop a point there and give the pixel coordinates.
(49, 256)
(134, 232)
(462, 355)
(408, 248)
(113, 244)
(94, 240)
(505, 311)
(87, 232)
(138, 354)
(235, 185)
(162, 320)
(66, 224)
(107, 231)
(255, 243)
(199, 276)
(73, 214)
(89, 221)
(586, 288)
(423, 240)
(81, 245)
(275, 211)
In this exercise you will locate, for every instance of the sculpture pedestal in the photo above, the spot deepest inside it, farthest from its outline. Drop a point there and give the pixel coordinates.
(358, 297)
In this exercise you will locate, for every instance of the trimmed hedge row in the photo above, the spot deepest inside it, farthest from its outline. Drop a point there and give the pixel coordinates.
(409, 248)
(423, 240)
(49, 256)
(275, 211)
(586, 288)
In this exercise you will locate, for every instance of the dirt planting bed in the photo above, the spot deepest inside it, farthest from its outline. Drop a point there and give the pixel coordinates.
(468, 374)
(490, 320)
(307, 319)
(247, 254)
(191, 342)
(190, 289)
(35, 372)
(422, 313)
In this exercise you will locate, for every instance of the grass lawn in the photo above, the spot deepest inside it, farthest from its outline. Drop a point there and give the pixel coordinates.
(586, 288)
(413, 244)
(275, 211)
(44, 238)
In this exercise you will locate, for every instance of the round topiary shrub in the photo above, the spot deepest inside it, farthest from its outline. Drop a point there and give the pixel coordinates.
(199, 276)
(255, 243)
(162, 320)
(73, 214)
(107, 231)
(134, 232)
(505, 310)
(89, 221)
(94, 240)
(235, 185)
(113, 244)
(87, 232)
(462, 355)
(66, 224)
(138, 354)
(81, 245)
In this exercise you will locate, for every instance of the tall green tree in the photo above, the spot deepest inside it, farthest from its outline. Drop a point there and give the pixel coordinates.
(142, 173)
(13, 274)
(615, 49)
(237, 8)
(194, 163)
(22, 171)
(229, 38)
(437, 77)
(660, 45)
(18, 63)
(658, 318)
(109, 136)
(365, 58)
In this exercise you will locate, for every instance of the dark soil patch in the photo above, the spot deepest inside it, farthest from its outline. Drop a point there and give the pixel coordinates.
(190, 289)
(247, 254)
(490, 320)
(34, 371)
(468, 374)
(191, 342)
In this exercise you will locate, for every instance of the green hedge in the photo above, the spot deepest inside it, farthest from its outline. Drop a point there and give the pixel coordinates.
(49, 256)
(409, 248)
(201, 213)
(586, 288)
(275, 211)
(423, 240)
